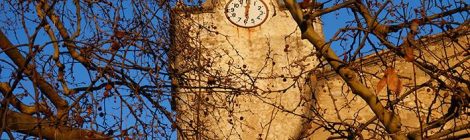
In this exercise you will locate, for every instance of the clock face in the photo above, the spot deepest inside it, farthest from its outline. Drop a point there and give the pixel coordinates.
(246, 13)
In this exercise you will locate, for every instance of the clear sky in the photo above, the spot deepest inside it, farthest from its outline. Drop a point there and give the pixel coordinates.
(332, 22)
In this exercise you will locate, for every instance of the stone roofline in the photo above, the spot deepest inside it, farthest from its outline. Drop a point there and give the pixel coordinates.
(208, 7)
(372, 59)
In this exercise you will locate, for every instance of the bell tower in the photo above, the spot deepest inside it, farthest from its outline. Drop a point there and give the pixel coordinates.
(239, 70)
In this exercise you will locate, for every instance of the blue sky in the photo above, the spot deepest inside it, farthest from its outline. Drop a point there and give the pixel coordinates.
(332, 22)
(79, 76)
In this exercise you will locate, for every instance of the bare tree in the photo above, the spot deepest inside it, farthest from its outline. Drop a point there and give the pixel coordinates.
(111, 69)
(85, 69)
(418, 52)
(431, 36)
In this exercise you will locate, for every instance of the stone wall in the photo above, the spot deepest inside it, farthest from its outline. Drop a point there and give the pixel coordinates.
(239, 83)
(337, 103)
(250, 83)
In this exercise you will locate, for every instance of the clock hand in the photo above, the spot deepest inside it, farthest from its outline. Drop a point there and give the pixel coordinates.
(247, 10)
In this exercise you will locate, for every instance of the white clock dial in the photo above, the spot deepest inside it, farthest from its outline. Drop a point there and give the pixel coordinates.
(246, 13)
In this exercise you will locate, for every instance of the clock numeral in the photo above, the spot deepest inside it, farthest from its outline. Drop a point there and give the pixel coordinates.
(259, 7)
(261, 13)
(255, 3)
(239, 18)
(241, 2)
(258, 17)
(232, 9)
(252, 20)
(245, 21)
(236, 5)
(234, 14)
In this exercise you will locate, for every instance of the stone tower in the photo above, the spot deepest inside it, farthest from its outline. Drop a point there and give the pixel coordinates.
(240, 77)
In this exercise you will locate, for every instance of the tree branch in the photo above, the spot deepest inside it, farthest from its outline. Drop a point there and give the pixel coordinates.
(390, 120)
(41, 128)
(449, 131)
(5, 89)
(14, 54)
